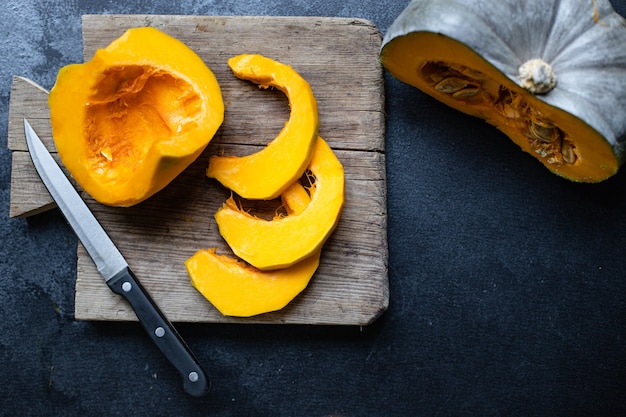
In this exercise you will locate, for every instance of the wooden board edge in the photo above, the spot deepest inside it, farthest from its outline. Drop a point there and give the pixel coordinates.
(28, 100)
(151, 19)
(25, 101)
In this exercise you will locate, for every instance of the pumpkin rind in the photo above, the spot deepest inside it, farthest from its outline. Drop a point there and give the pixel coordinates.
(284, 241)
(576, 128)
(131, 119)
(264, 175)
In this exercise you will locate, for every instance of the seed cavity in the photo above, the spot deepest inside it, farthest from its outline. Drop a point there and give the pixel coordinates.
(547, 140)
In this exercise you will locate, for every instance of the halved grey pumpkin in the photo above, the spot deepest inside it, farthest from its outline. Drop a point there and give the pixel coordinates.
(551, 74)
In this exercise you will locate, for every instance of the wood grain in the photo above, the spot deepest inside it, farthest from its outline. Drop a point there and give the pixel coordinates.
(339, 58)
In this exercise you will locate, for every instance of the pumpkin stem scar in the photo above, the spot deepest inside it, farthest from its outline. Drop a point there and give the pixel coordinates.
(537, 77)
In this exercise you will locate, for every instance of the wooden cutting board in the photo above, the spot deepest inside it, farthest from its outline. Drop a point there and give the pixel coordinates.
(339, 58)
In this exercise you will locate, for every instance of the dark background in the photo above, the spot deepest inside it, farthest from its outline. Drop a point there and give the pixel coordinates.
(507, 290)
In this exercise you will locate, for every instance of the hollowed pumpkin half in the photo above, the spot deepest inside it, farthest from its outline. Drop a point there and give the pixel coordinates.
(238, 289)
(283, 241)
(551, 77)
(131, 119)
(264, 175)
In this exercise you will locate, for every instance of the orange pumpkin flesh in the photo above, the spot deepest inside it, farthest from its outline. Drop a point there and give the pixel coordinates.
(238, 289)
(284, 241)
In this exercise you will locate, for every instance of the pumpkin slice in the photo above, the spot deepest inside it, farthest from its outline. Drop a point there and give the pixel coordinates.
(127, 122)
(264, 175)
(238, 289)
(549, 74)
(284, 241)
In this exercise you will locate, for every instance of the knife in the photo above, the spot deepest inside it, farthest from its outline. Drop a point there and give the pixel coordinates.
(114, 268)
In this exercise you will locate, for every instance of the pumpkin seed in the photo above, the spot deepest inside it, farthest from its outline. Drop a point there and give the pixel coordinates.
(545, 134)
(538, 119)
(567, 150)
(451, 85)
(466, 92)
(434, 78)
(472, 73)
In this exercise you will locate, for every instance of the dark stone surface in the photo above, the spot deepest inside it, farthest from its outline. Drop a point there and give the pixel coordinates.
(508, 290)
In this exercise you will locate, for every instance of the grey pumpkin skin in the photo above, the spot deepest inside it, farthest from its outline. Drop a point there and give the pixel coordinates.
(550, 74)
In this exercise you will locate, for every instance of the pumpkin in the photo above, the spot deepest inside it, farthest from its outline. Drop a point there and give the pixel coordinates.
(238, 289)
(131, 119)
(264, 175)
(550, 74)
(286, 240)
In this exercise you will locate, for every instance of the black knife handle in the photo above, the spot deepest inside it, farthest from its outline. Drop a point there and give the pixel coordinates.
(161, 331)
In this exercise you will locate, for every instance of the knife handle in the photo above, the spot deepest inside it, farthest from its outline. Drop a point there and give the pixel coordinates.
(161, 331)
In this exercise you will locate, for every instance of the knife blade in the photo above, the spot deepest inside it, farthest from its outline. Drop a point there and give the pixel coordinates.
(114, 268)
